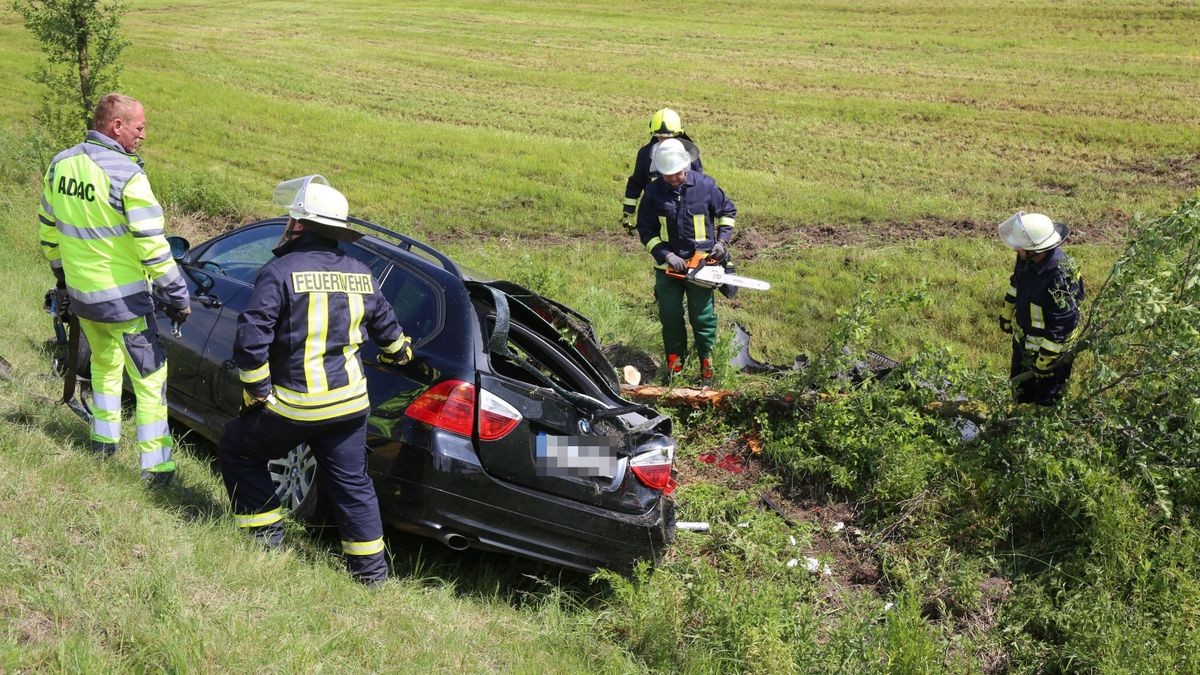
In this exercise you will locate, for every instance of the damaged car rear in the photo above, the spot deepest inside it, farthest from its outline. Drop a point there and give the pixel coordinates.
(506, 433)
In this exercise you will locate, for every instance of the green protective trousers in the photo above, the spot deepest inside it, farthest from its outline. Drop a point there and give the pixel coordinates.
(701, 312)
(131, 347)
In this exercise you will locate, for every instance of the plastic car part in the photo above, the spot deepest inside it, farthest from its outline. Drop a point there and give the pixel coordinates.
(450, 405)
(653, 468)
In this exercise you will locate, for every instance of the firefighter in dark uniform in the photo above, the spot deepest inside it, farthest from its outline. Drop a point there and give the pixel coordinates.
(683, 212)
(1041, 308)
(664, 124)
(297, 355)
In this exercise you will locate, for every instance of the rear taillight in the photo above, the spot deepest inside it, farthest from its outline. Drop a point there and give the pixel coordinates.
(496, 416)
(450, 405)
(653, 469)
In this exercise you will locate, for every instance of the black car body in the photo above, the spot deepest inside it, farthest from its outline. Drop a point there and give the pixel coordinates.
(507, 432)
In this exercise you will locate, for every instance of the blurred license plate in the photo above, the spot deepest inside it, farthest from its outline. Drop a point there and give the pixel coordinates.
(590, 456)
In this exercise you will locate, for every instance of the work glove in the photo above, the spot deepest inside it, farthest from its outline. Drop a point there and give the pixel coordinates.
(178, 315)
(1006, 316)
(719, 250)
(628, 221)
(1044, 366)
(675, 263)
(399, 357)
(251, 400)
(62, 303)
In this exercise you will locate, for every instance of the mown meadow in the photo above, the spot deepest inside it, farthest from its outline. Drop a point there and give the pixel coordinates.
(870, 150)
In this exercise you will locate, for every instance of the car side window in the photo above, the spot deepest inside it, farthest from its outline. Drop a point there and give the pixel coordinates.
(417, 302)
(373, 262)
(240, 254)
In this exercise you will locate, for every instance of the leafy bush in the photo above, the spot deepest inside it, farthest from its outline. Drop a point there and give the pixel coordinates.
(1087, 507)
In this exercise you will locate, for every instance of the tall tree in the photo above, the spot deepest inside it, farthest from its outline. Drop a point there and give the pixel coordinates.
(82, 47)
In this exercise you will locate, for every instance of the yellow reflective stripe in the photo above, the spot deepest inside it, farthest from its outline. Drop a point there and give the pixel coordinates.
(629, 201)
(314, 342)
(258, 519)
(399, 343)
(652, 243)
(1012, 291)
(662, 229)
(699, 229)
(314, 399)
(1036, 320)
(353, 370)
(362, 547)
(724, 220)
(257, 374)
(1052, 346)
(316, 414)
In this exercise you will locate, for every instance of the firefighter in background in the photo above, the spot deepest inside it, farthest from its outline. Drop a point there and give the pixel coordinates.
(663, 125)
(297, 353)
(102, 231)
(1041, 308)
(683, 212)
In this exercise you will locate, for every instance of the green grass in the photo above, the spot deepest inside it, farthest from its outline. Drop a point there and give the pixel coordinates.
(522, 117)
(101, 575)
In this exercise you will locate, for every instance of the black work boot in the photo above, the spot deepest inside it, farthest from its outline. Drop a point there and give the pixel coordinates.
(269, 536)
(158, 479)
(368, 570)
(103, 449)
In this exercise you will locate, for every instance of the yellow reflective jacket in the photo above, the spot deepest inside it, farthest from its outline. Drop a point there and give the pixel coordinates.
(102, 228)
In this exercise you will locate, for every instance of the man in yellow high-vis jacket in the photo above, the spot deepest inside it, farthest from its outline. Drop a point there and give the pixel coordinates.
(101, 230)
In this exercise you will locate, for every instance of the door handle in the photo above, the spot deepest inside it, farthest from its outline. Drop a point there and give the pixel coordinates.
(209, 301)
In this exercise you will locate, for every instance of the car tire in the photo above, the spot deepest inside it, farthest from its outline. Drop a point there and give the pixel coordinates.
(297, 485)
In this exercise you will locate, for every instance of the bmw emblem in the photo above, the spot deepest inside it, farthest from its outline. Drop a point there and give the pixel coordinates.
(584, 426)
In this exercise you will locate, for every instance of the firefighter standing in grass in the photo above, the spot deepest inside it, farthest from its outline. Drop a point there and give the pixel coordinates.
(680, 213)
(664, 124)
(1041, 308)
(102, 231)
(297, 355)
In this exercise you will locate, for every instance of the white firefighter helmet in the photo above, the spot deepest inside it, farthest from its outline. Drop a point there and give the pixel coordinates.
(670, 157)
(665, 123)
(323, 209)
(1032, 232)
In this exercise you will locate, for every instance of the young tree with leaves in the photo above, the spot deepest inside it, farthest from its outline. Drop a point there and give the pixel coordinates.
(82, 47)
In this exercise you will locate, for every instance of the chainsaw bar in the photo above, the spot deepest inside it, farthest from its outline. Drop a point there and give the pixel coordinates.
(715, 275)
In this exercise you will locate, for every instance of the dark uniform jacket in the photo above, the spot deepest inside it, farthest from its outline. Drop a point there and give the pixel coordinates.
(686, 219)
(642, 175)
(1044, 297)
(298, 337)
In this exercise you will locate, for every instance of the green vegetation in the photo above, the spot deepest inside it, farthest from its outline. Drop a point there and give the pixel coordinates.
(870, 150)
(82, 46)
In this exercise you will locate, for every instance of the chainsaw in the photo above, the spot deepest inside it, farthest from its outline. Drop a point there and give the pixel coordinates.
(710, 272)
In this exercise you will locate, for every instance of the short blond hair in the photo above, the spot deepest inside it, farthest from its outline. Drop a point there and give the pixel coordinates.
(113, 106)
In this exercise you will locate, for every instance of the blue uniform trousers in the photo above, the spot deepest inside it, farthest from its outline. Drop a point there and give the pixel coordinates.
(1040, 390)
(259, 435)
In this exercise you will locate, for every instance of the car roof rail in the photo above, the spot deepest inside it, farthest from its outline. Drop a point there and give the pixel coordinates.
(408, 243)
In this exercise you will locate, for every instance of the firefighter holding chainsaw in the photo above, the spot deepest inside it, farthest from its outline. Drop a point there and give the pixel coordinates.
(683, 213)
(664, 124)
(102, 232)
(1041, 308)
(297, 353)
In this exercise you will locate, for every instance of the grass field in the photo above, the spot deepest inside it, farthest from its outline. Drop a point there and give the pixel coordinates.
(865, 144)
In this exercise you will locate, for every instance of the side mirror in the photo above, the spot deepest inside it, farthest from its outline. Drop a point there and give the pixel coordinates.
(179, 247)
(204, 281)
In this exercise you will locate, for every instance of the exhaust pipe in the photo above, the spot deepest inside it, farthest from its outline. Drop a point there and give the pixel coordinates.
(455, 541)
